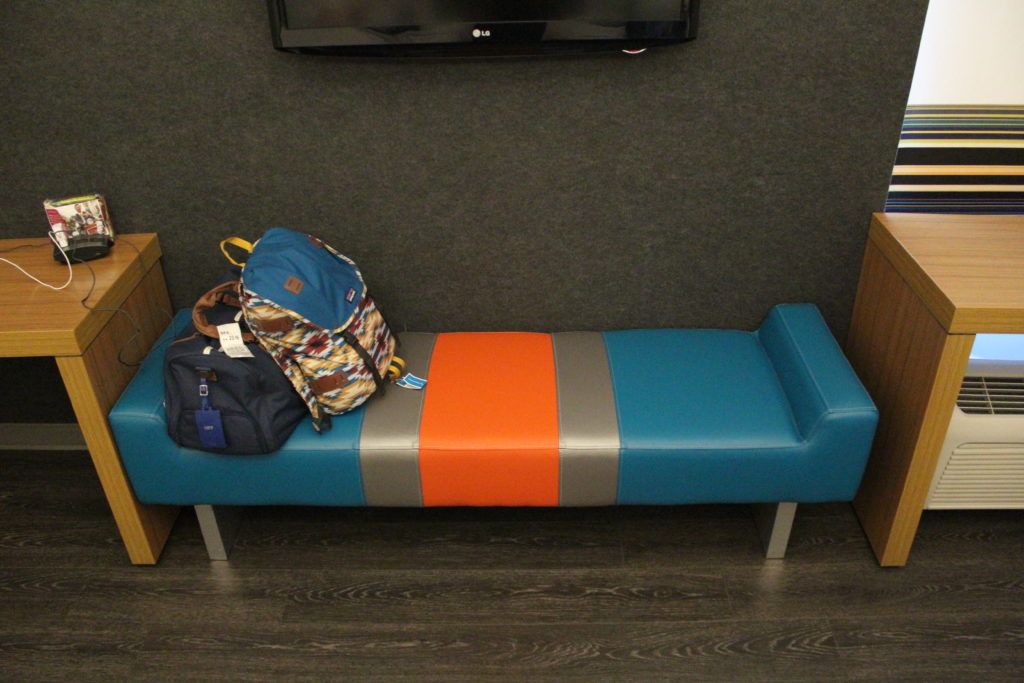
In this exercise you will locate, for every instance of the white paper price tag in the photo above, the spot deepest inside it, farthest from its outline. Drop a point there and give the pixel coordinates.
(231, 341)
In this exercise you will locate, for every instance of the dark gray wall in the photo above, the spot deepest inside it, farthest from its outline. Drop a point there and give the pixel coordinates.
(692, 186)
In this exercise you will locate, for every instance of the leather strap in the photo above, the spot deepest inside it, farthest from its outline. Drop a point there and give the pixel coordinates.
(225, 293)
(322, 385)
(272, 325)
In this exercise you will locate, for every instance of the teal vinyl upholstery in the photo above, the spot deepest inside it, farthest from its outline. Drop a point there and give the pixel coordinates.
(727, 416)
(666, 416)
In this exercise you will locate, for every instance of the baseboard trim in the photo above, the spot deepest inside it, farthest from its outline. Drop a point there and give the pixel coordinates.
(24, 436)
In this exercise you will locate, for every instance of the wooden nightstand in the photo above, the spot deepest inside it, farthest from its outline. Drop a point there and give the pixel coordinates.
(929, 283)
(37, 321)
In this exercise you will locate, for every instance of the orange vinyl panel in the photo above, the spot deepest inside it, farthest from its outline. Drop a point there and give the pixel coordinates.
(489, 432)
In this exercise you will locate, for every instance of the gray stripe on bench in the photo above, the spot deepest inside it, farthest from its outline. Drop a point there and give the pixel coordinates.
(390, 437)
(588, 425)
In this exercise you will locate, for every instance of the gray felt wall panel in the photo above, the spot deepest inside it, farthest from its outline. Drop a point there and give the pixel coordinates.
(696, 185)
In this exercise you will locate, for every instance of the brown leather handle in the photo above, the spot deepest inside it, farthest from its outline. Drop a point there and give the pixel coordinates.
(226, 293)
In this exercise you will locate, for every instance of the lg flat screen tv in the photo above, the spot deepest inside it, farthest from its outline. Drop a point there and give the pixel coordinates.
(453, 28)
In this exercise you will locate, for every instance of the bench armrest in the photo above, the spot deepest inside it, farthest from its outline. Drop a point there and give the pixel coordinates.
(813, 371)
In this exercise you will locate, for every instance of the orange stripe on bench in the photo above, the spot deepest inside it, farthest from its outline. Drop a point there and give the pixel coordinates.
(489, 432)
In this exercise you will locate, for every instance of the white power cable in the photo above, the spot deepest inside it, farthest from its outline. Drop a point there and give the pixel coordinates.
(66, 260)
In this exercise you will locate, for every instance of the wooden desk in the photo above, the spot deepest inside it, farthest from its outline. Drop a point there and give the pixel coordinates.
(37, 321)
(929, 283)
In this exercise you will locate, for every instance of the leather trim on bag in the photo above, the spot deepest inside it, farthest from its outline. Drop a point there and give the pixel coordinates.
(322, 385)
(272, 325)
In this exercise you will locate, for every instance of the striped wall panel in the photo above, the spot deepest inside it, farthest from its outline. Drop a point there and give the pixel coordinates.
(960, 159)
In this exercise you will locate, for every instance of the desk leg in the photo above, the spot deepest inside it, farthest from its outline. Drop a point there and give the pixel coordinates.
(144, 528)
(94, 381)
(913, 370)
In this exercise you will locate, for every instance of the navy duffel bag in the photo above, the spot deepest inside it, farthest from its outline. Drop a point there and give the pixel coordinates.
(219, 398)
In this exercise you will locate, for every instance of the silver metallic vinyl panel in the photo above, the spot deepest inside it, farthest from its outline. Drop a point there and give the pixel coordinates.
(390, 437)
(588, 424)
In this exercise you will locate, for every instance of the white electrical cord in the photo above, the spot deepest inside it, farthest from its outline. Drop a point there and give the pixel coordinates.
(66, 260)
(88, 294)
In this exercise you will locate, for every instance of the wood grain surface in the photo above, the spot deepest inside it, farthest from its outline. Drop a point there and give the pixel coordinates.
(929, 283)
(912, 368)
(638, 594)
(969, 270)
(99, 328)
(38, 321)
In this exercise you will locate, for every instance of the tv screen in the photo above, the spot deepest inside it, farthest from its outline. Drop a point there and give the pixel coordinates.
(478, 27)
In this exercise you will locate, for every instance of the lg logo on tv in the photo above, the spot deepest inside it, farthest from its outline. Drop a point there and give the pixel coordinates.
(481, 33)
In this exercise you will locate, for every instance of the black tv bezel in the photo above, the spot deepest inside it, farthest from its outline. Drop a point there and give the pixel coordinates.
(518, 39)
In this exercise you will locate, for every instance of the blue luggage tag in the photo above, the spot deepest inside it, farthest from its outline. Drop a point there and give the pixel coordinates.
(411, 381)
(208, 422)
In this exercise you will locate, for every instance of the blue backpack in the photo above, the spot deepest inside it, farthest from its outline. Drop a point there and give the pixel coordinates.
(307, 305)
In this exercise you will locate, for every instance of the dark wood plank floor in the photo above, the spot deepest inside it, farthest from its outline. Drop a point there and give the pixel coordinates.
(640, 594)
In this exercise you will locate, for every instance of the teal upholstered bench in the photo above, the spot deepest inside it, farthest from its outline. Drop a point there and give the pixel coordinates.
(773, 417)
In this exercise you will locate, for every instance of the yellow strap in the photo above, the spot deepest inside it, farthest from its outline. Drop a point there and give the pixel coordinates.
(237, 242)
(395, 369)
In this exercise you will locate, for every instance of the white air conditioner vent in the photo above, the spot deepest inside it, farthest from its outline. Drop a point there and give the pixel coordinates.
(981, 464)
(992, 396)
(981, 475)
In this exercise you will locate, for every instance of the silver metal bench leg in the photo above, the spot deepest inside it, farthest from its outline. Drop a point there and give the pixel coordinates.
(774, 521)
(218, 526)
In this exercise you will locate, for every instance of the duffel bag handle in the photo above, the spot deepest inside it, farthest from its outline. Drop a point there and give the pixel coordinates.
(244, 245)
(225, 293)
